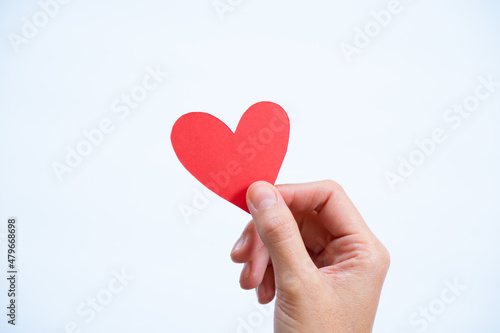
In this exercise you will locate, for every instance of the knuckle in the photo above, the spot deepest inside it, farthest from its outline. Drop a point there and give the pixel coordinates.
(276, 228)
(380, 260)
(385, 257)
(333, 185)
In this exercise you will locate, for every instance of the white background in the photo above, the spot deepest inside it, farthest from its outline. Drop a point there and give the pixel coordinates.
(120, 208)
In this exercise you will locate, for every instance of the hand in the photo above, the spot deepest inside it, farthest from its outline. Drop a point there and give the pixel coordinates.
(308, 245)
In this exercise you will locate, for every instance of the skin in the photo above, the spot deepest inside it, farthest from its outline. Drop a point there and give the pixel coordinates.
(308, 246)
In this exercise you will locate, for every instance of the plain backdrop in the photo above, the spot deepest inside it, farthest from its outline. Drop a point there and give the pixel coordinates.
(351, 121)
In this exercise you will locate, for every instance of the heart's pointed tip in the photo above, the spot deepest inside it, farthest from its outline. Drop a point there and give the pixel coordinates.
(244, 208)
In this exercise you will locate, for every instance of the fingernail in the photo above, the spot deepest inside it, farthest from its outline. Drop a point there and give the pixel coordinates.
(263, 197)
(239, 244)
(262, 291)
(245, 273)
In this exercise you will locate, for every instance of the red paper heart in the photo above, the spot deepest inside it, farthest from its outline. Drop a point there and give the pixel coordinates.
(226, 162)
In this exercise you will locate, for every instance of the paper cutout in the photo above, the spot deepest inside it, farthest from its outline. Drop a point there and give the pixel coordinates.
(226, 162)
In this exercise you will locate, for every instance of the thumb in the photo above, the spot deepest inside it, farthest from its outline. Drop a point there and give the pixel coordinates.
(279, 231)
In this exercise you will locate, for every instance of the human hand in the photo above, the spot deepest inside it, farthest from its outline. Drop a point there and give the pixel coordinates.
(308, 245)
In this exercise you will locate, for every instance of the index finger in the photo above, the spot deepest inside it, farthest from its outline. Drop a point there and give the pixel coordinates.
(328, 199)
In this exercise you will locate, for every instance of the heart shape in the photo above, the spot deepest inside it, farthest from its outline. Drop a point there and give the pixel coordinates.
(226, 162)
